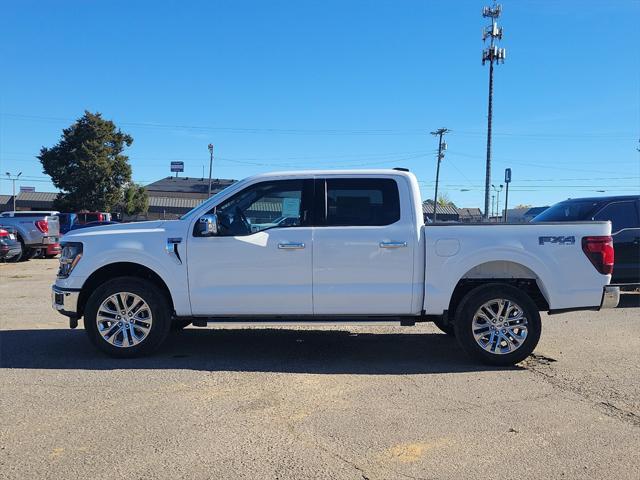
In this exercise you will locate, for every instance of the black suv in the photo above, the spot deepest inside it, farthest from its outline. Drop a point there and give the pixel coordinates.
(624, 213)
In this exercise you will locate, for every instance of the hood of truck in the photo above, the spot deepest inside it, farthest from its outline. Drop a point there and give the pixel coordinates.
(123, 229)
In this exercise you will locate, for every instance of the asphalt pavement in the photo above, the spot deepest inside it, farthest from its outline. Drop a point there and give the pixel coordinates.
(294, 403)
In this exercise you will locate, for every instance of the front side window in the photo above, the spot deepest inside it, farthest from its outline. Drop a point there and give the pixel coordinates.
(260, 207)
(621, 214)
(362, 202)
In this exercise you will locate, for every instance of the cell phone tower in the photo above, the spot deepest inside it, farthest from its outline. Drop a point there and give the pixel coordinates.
(491, 54)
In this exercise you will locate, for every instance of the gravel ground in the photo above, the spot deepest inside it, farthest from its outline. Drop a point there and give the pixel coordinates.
(335, 403)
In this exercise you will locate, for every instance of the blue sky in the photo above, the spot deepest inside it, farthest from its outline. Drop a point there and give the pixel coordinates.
(327, 84)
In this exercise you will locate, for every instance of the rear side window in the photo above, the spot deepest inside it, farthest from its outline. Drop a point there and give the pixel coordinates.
(362, 202)
(621, 214)
(573, 211)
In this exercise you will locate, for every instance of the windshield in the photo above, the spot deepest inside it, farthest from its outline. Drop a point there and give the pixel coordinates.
(235, 184)
(572, 211)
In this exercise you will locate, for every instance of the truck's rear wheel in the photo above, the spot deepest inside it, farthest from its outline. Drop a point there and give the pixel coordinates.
(127, 317)
(498, 324)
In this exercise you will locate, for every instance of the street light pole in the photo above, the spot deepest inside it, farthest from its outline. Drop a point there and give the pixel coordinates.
(13, 181)
(497, 190)
(210, 166)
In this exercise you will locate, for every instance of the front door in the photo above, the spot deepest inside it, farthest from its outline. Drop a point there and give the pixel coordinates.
(260, 261)
(363, 248)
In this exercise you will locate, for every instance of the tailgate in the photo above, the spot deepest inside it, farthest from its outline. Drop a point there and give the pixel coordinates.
(54, 225)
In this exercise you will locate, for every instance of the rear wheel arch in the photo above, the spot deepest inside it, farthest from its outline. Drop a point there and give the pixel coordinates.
(121, 269)
(499, 272)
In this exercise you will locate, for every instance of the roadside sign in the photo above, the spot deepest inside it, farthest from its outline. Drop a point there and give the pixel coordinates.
(177, 166)
(27, 189)
(507, 175)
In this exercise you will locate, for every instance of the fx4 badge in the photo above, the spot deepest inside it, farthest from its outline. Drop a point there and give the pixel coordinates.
(560, 240)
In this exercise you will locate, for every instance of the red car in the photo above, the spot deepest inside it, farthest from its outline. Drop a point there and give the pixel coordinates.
(86, 217)
(53, 249)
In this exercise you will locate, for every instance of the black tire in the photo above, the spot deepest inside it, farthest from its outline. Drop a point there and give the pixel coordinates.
(147, 291)
(178, 325)
(18, 257)
(445, 326)
(478, 297)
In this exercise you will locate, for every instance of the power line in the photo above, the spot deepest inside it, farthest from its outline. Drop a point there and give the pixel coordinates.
(294, 131)
(517, 162)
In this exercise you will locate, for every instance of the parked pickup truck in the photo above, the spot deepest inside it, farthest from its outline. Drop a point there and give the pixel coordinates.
(358, 251)
(34, 230)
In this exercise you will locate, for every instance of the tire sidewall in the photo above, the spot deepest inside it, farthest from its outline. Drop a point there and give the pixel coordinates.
(149, 293)
(479, 296)
(19, 257)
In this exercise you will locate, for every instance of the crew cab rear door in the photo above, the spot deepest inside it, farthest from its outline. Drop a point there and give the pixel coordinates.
(363, 248)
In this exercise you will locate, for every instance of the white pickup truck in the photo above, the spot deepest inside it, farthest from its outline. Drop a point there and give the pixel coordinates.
(357, 250)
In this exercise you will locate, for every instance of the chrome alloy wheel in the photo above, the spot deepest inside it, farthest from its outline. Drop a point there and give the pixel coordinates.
(500, 326)
(124, 319)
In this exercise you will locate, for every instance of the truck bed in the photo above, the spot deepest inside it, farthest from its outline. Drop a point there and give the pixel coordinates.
(550, 254)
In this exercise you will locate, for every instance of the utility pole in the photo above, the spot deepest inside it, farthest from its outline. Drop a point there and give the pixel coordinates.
(497, 190)
(442, 146)
(210, 166)
(13, 180)
(491, 54)
(507, 181)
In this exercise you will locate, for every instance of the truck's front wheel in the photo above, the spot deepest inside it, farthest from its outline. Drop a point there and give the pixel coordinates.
(127, 317)
(498, 324)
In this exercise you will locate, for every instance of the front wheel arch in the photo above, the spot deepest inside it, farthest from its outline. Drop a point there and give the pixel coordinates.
(121, 269)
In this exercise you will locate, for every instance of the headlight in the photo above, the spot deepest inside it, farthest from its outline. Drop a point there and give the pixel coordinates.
(69, 258)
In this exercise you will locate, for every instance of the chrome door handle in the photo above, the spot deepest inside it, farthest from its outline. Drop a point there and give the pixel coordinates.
(291, 246)
(393, 244)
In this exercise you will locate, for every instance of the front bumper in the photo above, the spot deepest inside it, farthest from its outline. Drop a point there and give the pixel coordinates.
(610, 297)
(65, 300)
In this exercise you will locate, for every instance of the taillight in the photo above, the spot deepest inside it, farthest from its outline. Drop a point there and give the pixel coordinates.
(3, 233)
(99, 217)
(599, 250)
(43, 226)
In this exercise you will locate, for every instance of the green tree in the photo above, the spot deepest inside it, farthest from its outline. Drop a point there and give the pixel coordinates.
(135, 199)
(87, 164)
(444, 200)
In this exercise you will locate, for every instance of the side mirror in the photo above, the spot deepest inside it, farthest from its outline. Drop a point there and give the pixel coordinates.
(207, 225)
